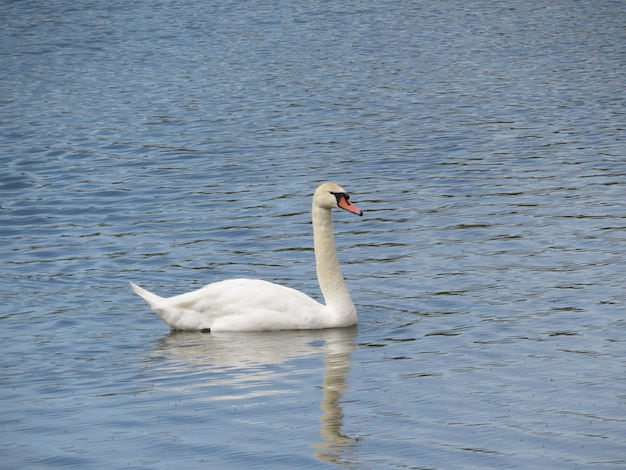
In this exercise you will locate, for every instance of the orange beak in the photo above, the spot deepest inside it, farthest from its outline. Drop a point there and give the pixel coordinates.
(347, 205)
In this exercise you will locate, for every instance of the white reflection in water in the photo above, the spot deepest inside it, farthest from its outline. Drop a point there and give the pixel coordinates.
(234, 367)
(336, 367)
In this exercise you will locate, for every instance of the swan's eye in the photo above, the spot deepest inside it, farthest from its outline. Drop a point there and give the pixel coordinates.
(339, 196)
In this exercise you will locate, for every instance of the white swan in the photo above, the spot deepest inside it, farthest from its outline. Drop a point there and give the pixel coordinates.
(252, 304)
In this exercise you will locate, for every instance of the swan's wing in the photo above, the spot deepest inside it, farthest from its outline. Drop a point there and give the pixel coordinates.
(240, 305)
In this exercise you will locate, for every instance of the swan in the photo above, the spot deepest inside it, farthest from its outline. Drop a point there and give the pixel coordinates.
(255, 305)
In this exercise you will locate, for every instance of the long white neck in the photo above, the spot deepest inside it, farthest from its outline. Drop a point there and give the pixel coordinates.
(329, 273)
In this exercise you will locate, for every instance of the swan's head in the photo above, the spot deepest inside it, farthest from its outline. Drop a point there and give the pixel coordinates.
(331, 195)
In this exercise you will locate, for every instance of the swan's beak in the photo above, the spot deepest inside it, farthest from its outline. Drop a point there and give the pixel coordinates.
(345, 203)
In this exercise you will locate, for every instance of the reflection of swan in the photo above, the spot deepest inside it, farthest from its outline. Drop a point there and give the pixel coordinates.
(251, 304)
(337, 364)
(244, 361)
(226, 350)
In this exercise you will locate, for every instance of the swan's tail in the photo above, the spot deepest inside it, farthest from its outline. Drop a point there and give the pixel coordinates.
(151, 299)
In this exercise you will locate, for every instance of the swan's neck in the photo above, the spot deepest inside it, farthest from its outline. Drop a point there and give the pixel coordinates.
(329, 273)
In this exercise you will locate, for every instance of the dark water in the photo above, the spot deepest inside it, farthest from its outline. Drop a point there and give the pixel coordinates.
(178, 143)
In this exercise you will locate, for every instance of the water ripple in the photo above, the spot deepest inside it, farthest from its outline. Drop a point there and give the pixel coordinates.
(179, 144)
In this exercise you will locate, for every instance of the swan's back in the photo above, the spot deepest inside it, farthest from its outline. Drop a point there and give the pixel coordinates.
(239, 305)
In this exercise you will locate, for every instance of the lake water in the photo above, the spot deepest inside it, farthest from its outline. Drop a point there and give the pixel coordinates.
(177, 143)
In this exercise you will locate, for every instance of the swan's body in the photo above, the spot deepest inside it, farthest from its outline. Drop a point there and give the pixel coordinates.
(252, 304)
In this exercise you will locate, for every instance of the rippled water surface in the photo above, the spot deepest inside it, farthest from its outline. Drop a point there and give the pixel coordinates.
(178, 143)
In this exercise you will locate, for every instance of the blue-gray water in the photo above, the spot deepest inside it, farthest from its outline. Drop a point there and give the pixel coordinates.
(177, 143)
